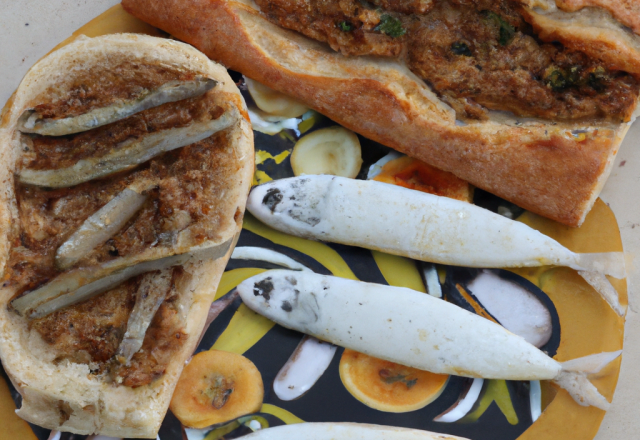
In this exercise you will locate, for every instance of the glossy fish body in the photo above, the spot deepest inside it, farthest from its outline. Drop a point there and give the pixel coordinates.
(396, 324)
(421, 226)
(402, 221)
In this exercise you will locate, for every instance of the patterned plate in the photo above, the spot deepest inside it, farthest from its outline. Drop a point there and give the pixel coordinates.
(582, 323)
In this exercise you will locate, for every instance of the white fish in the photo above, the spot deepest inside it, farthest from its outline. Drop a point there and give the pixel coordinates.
(344, 431)
(418, 225)
(413, 329)
(311, 357)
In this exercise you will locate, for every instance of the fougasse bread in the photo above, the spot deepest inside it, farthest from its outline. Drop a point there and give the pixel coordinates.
(126, 164)
(528, 103)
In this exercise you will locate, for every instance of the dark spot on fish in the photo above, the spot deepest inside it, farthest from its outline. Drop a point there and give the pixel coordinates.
(292, 198)
(291, 280)
(272, 198)
(311, 221)
(286, 306)
(263, 288)
(298, 183)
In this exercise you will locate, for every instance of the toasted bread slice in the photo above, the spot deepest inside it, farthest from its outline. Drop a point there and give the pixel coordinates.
(556, 169)
(65, 383)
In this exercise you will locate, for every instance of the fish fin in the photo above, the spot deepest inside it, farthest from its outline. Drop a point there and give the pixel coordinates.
(582, 391)
(591, 364)
(603, 286)
(573, 378)
(608, 263)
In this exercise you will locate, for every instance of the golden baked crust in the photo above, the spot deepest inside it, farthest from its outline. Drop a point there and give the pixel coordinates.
(626, 12)
(592, 31)
(543, 167)
(64, 395)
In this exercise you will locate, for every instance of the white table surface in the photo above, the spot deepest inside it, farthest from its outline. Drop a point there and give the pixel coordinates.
(31, 28)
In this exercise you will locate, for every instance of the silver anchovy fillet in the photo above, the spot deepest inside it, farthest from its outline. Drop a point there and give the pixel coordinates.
(100, 226)
(128, 154)
(152, 292)
(31, 122)
(80, 284)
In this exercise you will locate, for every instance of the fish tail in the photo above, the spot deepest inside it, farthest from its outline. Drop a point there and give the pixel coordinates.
(603, 286)
(607, 263)
(574, 380)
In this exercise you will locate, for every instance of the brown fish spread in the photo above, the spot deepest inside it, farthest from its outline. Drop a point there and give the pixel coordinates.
(124, 81)
(188, 194)
(475, 54)
(46, 152)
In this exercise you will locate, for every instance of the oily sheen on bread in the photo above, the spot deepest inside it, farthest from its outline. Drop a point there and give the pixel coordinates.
(555, 168)
(64, 382)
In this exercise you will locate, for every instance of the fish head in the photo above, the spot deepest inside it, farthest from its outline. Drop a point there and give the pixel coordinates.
(282, 297)
(297, 201)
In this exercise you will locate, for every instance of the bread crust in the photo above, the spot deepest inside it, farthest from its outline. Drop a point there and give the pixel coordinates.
(594, 31)
(65, 396)
(542, 167)
(627, 12)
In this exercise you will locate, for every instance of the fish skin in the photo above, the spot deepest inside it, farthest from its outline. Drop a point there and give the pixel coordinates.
(128, 154)
(82, 283)
(99, 227)
(395, 324)
(401, 221)
(422, 226)
(172, 91)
